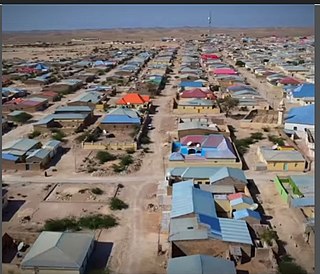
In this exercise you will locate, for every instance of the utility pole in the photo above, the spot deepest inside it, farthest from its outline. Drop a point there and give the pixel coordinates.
(209, 23)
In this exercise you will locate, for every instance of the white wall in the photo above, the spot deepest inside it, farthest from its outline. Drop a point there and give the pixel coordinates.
(300, 129)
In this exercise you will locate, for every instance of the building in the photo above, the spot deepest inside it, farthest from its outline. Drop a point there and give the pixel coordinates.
(296, 190)
(135, 100)
(195, 106)
(299, 119)
(68, 119)
(51, 96)
(204, 150)
(93, 99)
(59, 252)
(281, 160)
(201, 126)
(33, 104)
(65, 86)
(250, 216)
(303, 94)
(222, 176)
(121, 119)
(200, 264)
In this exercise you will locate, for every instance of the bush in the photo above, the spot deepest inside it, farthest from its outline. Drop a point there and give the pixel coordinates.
(130, 151)
(34, 134)
(61, 224)
(276, 140)
(58, 136)
(117, 204)
(22, 117)
(257, 136)
(82, 137)
(97, 221)
(104, 156)
(97, 191)
(290, 267)
(126, 160)
(118, 168)
(268, 236)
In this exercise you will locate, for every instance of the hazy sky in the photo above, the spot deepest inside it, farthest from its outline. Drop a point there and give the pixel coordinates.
(60, 17)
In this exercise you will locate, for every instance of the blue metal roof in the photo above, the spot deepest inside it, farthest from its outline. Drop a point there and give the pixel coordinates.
(213, 223)
(39, 153)
(120, 119)
(187, 199)
(235, 231)
(244, 213)
(52, 144)
(9, 157)
(20, 145)
(301, 115)
(304, 91)
(191, 84)
(305, 183)
(200, 264)
(73, 109)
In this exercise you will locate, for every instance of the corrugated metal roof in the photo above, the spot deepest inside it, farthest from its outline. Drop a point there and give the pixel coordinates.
(39, 153)
(58, 250)
(195, 102)
(73, 109)
(244, 213)
(61, 116)
(16, 113)
(271, 155)
(301, 115)
(200, 264)
(90, 96)
(225, 189)
(52, 144)
(305, 183)
(303, 202)
(186, 229)
(9, 157)
(21, 145)
(187, 199)
(235, 231)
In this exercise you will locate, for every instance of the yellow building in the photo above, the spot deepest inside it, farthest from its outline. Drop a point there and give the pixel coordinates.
(281, 160)
(195, 106)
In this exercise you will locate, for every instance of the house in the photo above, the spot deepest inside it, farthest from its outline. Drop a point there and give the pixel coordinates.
(195, 106)
(4, 198)
(135, 100)
(224, 71)
(93, 99)
(59, 252)
(197, 93)
(303, 94)
(51, 96)
(13, 116)
(200, 264)
(200, 126)
(65, 86)
(53, 146)
(281, 160)
(212, 236)
(299, 119)
(296, 190)
(32, 104)
(250, 216)
(69, 119)
(204, 150)
(121, 120)
(39, 156)
(222, 176)
(191, 84)
(310, 142)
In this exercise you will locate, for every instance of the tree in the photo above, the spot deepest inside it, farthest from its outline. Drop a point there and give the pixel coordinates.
(240, 64)
(227, 104)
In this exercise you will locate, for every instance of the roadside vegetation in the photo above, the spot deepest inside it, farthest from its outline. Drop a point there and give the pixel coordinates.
(243, 145)
(97, 221)
(34, 134)
(105, 156)
(117, 204)
(276, 140)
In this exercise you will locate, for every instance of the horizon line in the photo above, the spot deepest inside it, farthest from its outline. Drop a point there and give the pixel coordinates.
(173, 27)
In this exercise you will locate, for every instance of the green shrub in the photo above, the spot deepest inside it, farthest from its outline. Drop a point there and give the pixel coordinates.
(34, 134)
(64, 224)
(105, 156)
(145, 140)
(276, 140)
(126, 160)
(97, 221)
(130, 151)
(118, 168)
(257, 136)
(117, 204)
(269, 235)
(97, 191)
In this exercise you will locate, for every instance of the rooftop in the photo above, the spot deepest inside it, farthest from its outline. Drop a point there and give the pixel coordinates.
(304, 115)
(271, 155)
(59, 250)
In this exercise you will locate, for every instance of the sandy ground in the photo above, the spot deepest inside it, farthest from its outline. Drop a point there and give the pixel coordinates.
(144, 34)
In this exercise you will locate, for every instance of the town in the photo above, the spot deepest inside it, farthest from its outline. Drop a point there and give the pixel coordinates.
(169, 155)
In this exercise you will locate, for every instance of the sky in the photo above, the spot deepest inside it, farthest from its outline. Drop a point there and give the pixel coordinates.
(70, 17)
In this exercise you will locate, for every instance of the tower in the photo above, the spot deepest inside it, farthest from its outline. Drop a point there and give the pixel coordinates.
(281, 111)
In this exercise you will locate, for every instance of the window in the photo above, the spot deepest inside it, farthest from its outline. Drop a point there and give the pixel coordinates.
(274, 164)
(295, 128)
(296, 164)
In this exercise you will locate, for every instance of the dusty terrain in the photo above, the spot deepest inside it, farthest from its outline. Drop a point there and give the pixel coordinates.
(144, 34)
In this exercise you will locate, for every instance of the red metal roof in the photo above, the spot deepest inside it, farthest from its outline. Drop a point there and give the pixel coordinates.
(224, 71)
(289, 81)
(194, 93)
(192, 138)
(236, 196)
(133, 98)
